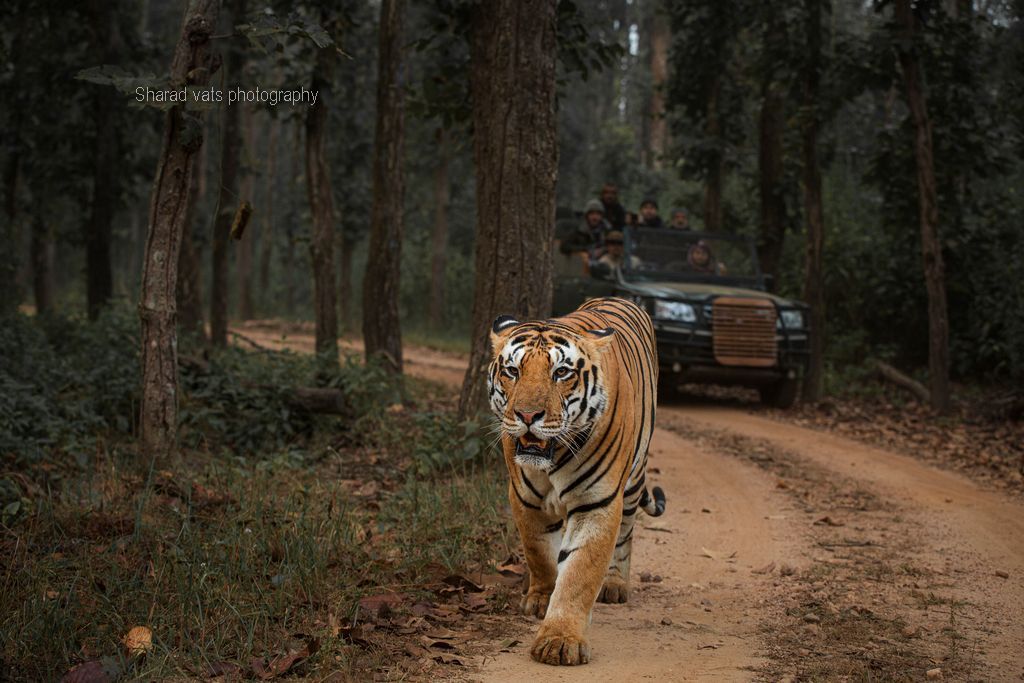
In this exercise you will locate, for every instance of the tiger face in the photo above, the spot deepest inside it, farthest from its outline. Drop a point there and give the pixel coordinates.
(545, 385)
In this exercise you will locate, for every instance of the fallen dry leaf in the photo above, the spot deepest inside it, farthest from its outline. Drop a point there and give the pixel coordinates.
(767, 569)
(138, 641)
(436, 643)
(104, 670)
(462, 582)
(709, 553)
(507, 645)
(355, 635)
(379, 606)
(266, 668)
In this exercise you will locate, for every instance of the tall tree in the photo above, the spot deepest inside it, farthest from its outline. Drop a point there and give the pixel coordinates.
(267, 232)
(515, 150)
(705, 94)
(42, 255)
(190, 273)
(716, 158)
(439, 236)
(931, 249)
(814, 273)
(105, 18)
(182, 140)
(244, 252)
(14, 96)
(382, 333)
(658, 140)
(771, 128)
(321, 208)
(227, 199)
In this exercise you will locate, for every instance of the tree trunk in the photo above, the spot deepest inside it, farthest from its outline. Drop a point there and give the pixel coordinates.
(106, 187)
(382, 331)
(168, 207)
(294, 210)
(42, 265)
(267, 234)
(713, 186)
(515, 149)
(321, 208)
(345, 283)
(10, 294)
(773, 200)
(10, 137)
(439, 238)
(227, 199)
(244, 252)
(814, 278)
(660, 39)
(190, 273)
(931, 249)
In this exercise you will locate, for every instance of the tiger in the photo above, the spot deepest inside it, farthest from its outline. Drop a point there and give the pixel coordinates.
(575, 400)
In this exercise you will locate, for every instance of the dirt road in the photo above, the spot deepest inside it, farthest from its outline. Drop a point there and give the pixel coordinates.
(787, 553)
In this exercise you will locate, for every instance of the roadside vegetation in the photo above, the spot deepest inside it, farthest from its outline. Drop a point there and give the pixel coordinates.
(259, 549)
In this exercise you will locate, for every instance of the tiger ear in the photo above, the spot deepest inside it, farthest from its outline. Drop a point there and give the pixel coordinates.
(500, 329)
(600, 339)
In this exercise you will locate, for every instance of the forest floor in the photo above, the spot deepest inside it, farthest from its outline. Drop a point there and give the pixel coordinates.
(785, 553)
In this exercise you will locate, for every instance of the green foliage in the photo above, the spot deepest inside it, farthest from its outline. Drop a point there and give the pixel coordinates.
(876, 299)
(443, 88)
(64, 383)
(443, 443)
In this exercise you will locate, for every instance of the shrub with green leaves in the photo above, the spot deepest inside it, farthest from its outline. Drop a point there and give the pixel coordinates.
(64, 381)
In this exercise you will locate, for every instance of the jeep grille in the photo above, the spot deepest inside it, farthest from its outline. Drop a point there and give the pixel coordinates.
(744, 332)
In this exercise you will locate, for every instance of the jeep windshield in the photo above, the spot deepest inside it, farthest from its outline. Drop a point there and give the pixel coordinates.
(660, 254)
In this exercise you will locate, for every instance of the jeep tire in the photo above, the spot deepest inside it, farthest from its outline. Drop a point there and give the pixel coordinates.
(781, 393)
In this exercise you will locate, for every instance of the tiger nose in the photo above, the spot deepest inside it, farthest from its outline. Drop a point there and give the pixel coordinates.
(529, 416)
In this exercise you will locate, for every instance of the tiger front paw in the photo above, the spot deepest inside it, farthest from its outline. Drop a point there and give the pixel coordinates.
(560, 649)
(535, 604)
(615, 590)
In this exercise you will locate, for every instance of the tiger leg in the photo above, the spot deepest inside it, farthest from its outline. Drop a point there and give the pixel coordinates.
(541, 536)
(616, 581)
(586, 549)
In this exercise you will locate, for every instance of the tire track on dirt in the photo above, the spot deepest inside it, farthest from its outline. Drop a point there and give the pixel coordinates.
(970, 540)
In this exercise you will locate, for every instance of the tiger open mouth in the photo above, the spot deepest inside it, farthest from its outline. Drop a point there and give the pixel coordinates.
(530, 445)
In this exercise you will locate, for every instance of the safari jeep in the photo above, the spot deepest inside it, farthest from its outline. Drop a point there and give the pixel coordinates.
(714, 320)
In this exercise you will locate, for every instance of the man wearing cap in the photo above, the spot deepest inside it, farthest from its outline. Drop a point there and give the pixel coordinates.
(615, 256)
(614, 214)
(589, 237)
(649, 217)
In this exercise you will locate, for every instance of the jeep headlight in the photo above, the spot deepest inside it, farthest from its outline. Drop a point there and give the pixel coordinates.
(674, 310)
(793, 320)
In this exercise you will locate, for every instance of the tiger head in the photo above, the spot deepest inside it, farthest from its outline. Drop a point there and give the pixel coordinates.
(546, 385)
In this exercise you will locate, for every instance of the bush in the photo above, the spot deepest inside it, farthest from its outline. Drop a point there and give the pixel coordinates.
(66, 382)
(63, 381)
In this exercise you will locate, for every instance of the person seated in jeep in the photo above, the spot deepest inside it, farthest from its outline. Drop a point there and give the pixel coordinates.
(649, 217)
(701, 260)
(615, 256)
(589, 236)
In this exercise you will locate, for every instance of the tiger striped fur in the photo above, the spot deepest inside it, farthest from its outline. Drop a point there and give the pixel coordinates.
(576, 397)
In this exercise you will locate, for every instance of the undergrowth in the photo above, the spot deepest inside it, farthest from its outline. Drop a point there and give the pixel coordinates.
(276, 525)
